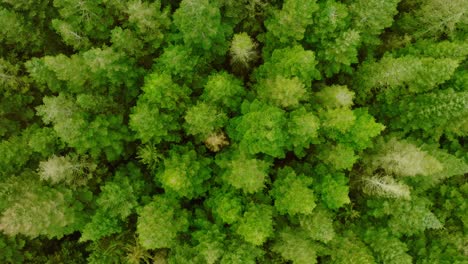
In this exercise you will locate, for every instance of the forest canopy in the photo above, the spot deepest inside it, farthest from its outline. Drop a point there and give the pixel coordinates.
(234, 132)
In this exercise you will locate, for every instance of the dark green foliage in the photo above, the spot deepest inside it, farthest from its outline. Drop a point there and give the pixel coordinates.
(387, 249)
(118, 199)
(436, 113)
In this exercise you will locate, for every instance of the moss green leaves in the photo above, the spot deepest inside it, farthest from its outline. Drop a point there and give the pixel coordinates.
(256, 224)
(260, 129)
(290, 62)
(151, 118)
(289, 24)
(295, 246)
(183, 172)
(159, 222)
(224, 90)
(243, 172)
(292, 193)
(233, 131)
(282, 92)
(200, 25)
(204, 120)
(303, 129)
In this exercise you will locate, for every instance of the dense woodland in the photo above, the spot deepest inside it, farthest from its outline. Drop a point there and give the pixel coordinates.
(234, 131)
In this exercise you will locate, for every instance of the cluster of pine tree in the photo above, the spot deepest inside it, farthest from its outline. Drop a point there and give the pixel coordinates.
(234, 131)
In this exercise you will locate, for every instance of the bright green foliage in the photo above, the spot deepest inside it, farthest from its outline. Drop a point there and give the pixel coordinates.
(203, 119)
(42, 211)
(318, 225)
(244, 172)
(260, 129)
(200, 25)
(226, 205)
(282, 92)
(290, 62)
(338, 120)
(233, 131)
(292, 194)
(289, 24)
(331, 18)
(154, 118)
(101, 225)
(160, 221)
(295, 246)
(334, 190)
(360, 134)
(335, 96)
(256, 224)
(303, 129)
(224, 90)
(183, 172)
(388, 249)
(407, 75)
(339, 156)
